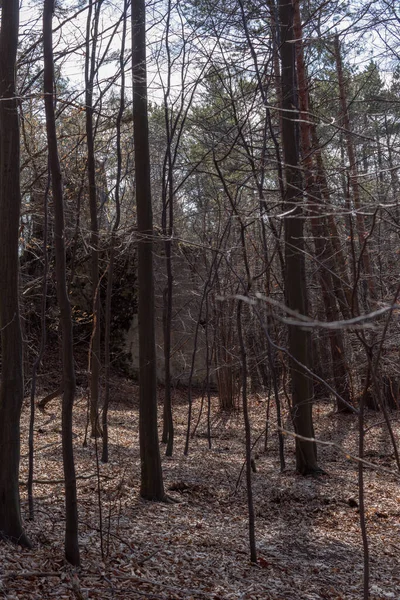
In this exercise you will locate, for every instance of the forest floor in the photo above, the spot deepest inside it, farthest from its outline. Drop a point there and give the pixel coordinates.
(307, 529)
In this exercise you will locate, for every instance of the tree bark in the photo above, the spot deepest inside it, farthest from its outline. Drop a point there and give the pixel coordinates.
(39, 357)
(69, 384)
(318, 225)
(295, 281)
(353, 171)
(167, 224)
(107, 318)
(342, 288)
(94, 352)
(152, 486)
(12, 387)
(247, 428)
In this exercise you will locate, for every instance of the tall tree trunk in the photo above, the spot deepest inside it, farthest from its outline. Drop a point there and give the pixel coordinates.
(167, 224)
(394, 178)
(69, 384)
(12, 387)
(353, 170)
(275, 38)
(39, 357)
(94, 351)
(370, 292)
(295, 281)
(107, 318)
(152, 486)
(318, 226)
(247, 429)
(342, 288)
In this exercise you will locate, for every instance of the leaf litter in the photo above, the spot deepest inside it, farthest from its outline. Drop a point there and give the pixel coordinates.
(307, 529)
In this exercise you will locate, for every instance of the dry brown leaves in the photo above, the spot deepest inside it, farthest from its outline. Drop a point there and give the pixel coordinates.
(308, 534)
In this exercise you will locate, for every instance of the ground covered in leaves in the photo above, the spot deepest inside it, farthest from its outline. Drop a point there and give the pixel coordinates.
(307, 529)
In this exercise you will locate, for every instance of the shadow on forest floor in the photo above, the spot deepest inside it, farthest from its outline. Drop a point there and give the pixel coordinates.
(307, 529)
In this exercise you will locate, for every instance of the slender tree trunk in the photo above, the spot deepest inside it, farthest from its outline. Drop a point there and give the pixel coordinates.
(211, 278)
(364, 257)
(353, 170)
(107, 336)
(318, 226)
(12, 387)
(94, 352)
(247, 428)
(193, 360)
(394, 178)
(167, 223)
(168, 425)
(275, 37)
(227, 371)
(361, 490)
(342, 288)
(152, 486)
(39, 357)
(268, 127)
(69, 384)
(380, 179)
(295, 283)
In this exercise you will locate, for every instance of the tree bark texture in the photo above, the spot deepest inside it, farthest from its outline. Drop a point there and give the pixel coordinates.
(94, 352)
(107, 317)
(167, 224)
(69, 384)
(247, 428)
(152, 486)
(318, 224)
(12, 388)
(295, 280)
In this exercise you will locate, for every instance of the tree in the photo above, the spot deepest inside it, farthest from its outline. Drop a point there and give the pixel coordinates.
(295, 272)
(353, 173)
(113, 241)
(152, 486)
(12, 388)
(69, 385)
(94, 352)
(318, 222)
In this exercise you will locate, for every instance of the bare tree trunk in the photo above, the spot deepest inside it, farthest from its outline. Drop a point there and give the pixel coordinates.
(227, 368)
(341, 288)
(295, 283)
(39, 357)
(167, 219)
(69, 384)
(353, 171)
(260, 184)
(394, 178)
(176, 110)
(247, 428)
(94, 352)
(208, 284)
(318, 226)
(152, 486)
(361, 490)
(275, 37)
(107, 336)
(12, 386)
